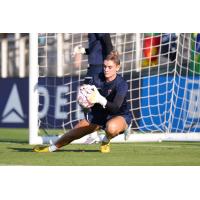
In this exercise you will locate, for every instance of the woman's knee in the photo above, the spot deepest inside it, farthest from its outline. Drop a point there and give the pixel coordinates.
(112, 129)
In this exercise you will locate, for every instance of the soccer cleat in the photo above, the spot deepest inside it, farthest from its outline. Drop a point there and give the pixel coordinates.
(41, 149)
(105, 148)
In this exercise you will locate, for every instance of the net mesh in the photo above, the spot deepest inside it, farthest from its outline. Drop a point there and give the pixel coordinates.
(162, 70)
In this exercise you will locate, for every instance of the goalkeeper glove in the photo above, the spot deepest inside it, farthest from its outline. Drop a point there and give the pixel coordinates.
(95, 97)
(79, 50)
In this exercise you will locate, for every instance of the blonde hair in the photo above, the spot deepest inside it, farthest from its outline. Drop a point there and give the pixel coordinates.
(114, 56)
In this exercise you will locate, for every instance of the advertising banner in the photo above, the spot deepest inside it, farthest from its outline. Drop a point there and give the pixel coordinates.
(14, 102)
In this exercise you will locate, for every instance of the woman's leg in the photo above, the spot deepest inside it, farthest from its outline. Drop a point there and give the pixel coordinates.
(115, 126)
(81, 129)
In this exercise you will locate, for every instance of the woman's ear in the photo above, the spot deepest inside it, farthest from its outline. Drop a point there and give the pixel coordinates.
(117, 68)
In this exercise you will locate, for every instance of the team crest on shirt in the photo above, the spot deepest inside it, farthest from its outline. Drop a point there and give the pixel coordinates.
(109, 91)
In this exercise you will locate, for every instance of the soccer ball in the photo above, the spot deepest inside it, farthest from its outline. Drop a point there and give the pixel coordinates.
(83, 92)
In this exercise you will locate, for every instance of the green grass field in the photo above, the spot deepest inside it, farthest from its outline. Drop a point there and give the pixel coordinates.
(15, 150)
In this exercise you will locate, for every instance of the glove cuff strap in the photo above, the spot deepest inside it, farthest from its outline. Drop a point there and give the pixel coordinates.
(103, 101)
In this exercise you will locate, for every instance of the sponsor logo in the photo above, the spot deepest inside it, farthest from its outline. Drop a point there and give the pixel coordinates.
(13, 112)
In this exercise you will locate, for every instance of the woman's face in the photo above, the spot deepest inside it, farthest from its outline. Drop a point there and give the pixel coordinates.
(110, 70)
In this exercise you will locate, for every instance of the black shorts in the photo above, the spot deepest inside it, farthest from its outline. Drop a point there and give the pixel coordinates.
(102, 120)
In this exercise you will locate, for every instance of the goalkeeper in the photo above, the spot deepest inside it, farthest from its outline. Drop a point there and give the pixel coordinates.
(109, 111)
(99, 46)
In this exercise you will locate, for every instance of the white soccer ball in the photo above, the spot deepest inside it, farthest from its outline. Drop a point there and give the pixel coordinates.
(83, 92)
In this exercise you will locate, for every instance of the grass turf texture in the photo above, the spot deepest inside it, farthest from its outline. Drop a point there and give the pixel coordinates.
(15, 150)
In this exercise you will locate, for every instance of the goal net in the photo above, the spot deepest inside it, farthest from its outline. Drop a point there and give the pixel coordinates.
(162, 70)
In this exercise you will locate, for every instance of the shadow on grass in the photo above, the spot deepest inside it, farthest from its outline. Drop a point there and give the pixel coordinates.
(21, 149)
(13, 141)
(61, 150)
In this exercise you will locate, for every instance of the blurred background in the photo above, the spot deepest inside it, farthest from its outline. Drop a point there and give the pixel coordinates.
(147, 60)
(14, 51)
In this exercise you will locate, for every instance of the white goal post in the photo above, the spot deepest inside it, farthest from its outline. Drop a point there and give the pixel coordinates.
(33, 93)
(162, 70)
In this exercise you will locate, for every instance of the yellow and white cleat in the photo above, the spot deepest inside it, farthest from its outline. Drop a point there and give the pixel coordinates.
(105, 147)
(41, 149)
